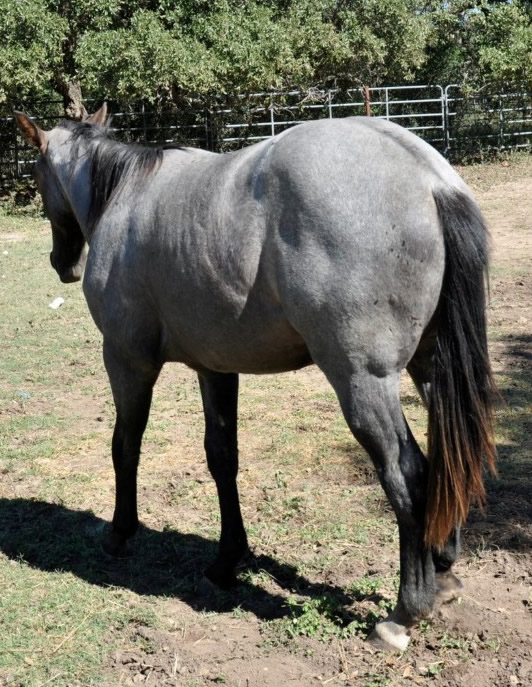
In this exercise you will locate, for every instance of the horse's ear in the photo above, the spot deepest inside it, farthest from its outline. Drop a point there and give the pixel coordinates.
(33, 133)
(99, 116)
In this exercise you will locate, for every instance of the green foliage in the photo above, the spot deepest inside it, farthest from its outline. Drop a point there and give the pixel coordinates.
(478, 43)
(30, 47)
(321, 618)
(387, 40)
(377, 681)
(21, 201)
(365, 587)
(143, 60)
(505, 46)
(184, 48)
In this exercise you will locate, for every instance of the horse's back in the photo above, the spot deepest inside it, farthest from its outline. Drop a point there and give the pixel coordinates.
(324, 235)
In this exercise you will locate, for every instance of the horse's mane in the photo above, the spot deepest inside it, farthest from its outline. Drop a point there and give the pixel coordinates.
(111, 163)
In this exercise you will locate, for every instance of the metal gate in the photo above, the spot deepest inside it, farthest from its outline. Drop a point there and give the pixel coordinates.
(458, 124)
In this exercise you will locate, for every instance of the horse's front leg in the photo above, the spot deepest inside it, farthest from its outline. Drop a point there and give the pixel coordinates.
(132, 386)
(219, 393)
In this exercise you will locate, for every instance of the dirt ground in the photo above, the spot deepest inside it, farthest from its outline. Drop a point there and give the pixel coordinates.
(318, 524)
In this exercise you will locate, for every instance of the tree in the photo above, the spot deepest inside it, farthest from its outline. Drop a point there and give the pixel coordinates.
(30, 48)
(504, 46)
(169, 49)
(479, 42)
(39, 43)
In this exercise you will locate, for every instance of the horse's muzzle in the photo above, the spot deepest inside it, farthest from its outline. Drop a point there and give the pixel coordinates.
(69, 274)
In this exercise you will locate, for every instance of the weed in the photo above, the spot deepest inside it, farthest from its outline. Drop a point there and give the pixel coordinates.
(321, 618)
(238, 612)
(365, 587)
(434, 669)
(460, 644)
(280, 480)
(292, 506)
(493, 644)
(425, 626)
(377, 681)
(386, 605)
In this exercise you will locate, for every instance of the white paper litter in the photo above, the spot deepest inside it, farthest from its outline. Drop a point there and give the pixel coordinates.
(56, 303)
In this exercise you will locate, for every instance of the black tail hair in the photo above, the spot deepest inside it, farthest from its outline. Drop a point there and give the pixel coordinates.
(460, 433)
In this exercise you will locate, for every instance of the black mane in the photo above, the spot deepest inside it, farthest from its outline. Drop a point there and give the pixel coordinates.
(111, 163)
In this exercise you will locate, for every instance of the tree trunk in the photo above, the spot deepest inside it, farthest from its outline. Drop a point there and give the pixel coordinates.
(72, 101)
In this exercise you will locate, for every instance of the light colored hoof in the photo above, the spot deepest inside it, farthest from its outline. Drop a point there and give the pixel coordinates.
(448, 588)
(388, 635)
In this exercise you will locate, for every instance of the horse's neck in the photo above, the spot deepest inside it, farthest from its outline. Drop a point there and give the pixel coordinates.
(75, 181)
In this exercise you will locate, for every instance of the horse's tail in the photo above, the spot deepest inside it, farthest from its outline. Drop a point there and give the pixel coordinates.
(460, 409)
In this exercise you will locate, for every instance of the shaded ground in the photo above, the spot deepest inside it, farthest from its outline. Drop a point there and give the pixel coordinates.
(322, 532)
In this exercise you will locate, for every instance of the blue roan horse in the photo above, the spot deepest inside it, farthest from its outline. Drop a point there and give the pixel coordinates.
(346, 243)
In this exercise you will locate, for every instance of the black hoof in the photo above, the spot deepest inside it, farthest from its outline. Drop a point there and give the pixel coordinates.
(222, 575)
(209, 593)
(115, 545)
(220, 578)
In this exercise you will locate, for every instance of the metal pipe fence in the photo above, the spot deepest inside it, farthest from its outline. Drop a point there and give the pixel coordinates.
(457, 123)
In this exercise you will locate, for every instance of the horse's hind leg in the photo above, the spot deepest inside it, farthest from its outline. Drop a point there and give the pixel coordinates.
(219, 393)
(370, 404)
(448, 586)
(132, 392)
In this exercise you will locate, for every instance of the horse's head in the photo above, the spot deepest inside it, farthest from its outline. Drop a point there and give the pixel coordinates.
(68, 241)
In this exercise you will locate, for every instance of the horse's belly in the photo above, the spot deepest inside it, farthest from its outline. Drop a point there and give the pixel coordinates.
(272, 348)
(267, 363)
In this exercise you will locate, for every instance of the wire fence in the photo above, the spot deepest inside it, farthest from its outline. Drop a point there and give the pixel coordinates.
(459, 124)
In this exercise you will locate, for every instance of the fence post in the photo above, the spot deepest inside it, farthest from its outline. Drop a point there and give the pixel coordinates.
(144, 132)
(367, 101)
(15, 138)
(501, 122)
(272, 118)
(446, 120)
(206, 126)
(211, 131)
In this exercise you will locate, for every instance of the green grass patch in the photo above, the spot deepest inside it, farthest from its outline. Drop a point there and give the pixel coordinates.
(56, 627)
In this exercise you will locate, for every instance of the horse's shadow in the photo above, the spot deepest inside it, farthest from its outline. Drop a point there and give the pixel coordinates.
(51, 537)
(507, 521)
